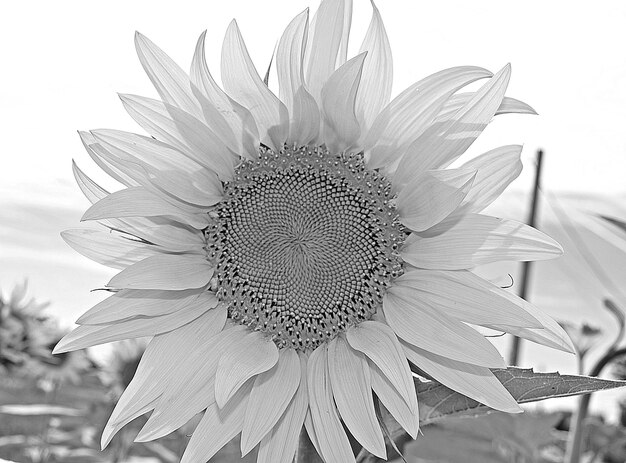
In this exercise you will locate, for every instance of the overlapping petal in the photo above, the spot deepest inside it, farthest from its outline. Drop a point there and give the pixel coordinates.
(271, 394)
(165, 271)
(495, 170)
(432, 196)
(252, 355)
(279, 445)
(191, 387)
(352, 390)
(162, 354)
(444, 142)
(406, 416)
(243, 83)
(167, 77)
(183, 131)
(290, 58)
(411, 113)
(111, 249)
(221, 424)
(464, 296)
(377, 76)
(433, 331)
(331, 438)
(237, 117)
(327, 34)
(476, 382)
(338, 96)
(380, 344)
(472, 239)
(128, 303)
(92, 335)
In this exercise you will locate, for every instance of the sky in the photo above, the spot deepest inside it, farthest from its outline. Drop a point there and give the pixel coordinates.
(64, 62)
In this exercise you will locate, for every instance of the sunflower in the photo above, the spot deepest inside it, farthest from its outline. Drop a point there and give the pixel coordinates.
(291, 255)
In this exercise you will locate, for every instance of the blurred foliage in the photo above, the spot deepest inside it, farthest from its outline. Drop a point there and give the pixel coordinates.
(53, 408)
(27, 337)
(495, 438)
(24, 330)
(504, 438)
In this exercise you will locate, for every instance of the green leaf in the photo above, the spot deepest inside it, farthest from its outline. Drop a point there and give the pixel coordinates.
(437, 402)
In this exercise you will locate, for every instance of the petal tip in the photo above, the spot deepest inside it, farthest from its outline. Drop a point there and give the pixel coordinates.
(221, 397)
(517, 409)
(59, 349)
(107, 436)
(246, 444)
(88, 215)
(144, 436)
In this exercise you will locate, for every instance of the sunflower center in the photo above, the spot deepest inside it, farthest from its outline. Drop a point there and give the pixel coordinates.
(304, 244)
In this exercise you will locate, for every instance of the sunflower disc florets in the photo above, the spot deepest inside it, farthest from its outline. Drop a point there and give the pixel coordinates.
(304, 244)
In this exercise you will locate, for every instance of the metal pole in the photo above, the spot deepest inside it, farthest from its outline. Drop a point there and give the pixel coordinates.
(527, 266)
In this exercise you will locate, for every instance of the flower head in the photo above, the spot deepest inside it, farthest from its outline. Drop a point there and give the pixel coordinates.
(291, 254)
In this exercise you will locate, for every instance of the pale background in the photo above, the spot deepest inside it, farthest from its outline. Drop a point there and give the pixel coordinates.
(63, 62)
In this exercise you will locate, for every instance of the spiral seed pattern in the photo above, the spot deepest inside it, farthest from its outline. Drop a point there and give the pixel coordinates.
(304, 243)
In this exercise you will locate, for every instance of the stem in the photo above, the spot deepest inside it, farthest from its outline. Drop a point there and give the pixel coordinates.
(306, 453)
(525, 286)
(575, 441)
(50, 398)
